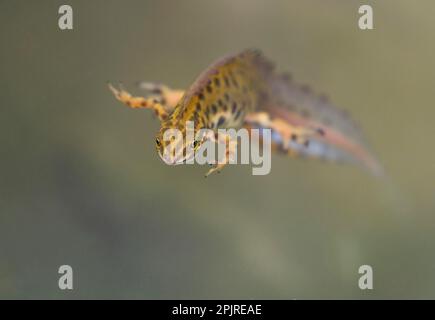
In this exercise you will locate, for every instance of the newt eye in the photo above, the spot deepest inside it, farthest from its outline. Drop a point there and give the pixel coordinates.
(195, 144)
(158, 143)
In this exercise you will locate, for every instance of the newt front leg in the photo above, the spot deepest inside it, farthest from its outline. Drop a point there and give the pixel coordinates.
(230, 152)
(162, 103)
(169, 97)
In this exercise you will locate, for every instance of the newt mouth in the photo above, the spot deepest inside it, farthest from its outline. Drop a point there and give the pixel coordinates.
(172, 161)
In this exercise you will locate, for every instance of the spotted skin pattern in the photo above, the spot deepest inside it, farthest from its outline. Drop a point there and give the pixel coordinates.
(243, 90)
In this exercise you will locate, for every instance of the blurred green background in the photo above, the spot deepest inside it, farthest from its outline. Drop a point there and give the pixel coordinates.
(81, 183)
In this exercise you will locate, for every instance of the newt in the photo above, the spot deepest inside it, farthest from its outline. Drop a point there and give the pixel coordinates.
(244, 90)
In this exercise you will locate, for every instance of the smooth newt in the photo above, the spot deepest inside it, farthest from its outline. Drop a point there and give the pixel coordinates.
(244, 90)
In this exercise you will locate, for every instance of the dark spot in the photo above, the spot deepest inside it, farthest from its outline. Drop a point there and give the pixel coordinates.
(320, 131)
(198, 107)
(238, 114)
(235, 83)
(209, 89)
(225, 107)
(282, 148)
(306, 143)
(227, 97)
(294, 137)
(220, 121)
(227, 82)
(234, 107)
(217, 82)
(220, 102)
(213, 108)
(201, 96)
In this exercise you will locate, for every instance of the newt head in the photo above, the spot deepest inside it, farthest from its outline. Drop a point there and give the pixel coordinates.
(176, 144)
